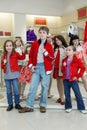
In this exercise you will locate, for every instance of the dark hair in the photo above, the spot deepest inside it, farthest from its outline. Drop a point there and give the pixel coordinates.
(62, 39)
(4, 47)
(74, 37)
(44, 28)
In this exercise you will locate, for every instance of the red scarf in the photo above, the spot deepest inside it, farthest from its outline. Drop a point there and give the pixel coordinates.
(56, 64)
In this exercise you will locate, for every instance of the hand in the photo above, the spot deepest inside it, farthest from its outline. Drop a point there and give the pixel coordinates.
(33, 69)
(5, 61)
(75, 78)
(22, 49)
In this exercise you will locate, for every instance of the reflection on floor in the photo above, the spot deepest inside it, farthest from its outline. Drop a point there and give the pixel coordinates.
(55, 118)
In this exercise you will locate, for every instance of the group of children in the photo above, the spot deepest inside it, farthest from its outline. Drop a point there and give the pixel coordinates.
(62, 60)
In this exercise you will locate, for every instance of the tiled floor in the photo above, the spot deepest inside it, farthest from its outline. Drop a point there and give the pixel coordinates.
(54, 119)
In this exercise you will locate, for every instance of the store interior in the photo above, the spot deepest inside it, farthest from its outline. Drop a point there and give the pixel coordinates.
(16, 18)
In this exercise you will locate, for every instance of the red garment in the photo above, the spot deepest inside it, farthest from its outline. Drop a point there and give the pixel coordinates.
(77, 68)
(13, 59)
(56, 65)
(85, 33)
(47, 59)
(25, 74)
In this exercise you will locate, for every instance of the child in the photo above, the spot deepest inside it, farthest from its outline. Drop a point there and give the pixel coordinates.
(79, 54)
(40, 61)
(25, 73)
(11, 72)
(72, 69)
(18, 44)
(59, 49)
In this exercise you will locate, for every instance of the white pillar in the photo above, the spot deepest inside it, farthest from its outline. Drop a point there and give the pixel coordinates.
(19, 25)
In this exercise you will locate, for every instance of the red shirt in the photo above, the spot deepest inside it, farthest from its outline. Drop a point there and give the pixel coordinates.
(14, 57)
(47, 59)
(77, 68)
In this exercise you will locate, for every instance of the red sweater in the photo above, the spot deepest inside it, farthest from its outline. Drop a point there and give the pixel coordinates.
(47, 59)
(77, 68)
(14, 57)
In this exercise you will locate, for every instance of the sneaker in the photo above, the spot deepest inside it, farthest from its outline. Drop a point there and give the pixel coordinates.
(68, 110)
(83, 111)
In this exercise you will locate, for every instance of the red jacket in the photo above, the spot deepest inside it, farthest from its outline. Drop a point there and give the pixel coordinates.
(77, 68)
(14, 57)
(47, 59)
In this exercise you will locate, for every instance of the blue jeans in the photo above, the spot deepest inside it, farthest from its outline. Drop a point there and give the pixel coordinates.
(75, 87)
(38, 76)
(9, 83)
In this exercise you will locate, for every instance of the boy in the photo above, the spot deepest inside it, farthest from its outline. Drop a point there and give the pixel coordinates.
(40, 61)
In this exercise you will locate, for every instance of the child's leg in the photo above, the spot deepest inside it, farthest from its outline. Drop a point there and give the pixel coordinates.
(84, 79)
(16, 91)
(9, 92)
(60, 88)
(22, 89)
(67, 88)
(80, 103)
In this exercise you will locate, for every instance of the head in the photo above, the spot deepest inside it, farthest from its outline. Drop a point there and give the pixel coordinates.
(60, 41)
(18, 43)
(9, 46)
(70, 50)
(75, 40)
(43, 32)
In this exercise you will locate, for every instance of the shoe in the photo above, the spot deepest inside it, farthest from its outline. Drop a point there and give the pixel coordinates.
(58, 100)
(26, 109)
(83, 111)
(68, 110)
(50, 96)
(62, 103)
(17, 106)
(10, 107)
(42, 109)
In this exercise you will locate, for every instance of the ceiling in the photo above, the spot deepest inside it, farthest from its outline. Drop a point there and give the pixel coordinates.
(41, 7)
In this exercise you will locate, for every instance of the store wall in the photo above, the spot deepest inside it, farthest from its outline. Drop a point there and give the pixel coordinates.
(55, 24)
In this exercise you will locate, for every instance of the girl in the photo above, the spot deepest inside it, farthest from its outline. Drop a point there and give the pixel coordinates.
(72, 69)
(18, 44)
(80, 54)
(25, 73)
(11, 72)
(59, 49)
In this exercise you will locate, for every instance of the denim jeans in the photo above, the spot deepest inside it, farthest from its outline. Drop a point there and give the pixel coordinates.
(75, 87)
(38, 76)
(9, 84)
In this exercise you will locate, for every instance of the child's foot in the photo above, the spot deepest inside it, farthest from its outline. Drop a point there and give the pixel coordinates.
(50, 96)
(68, 110)
(18, 106)
(83, 111)
(10, 107)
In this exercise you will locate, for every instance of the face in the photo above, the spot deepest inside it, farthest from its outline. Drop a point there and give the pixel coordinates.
(9, 47)
(75, 42)
(43, 34)
(58, 42)
(18, 43)
(69, 51)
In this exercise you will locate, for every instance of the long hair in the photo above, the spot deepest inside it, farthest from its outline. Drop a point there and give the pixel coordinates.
(62, 39)
(4, 47)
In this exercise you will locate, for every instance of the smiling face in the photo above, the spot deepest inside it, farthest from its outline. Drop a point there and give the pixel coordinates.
(58, 42)
(43, 35)
(9, 47)
(70, 51)
(75, 42)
